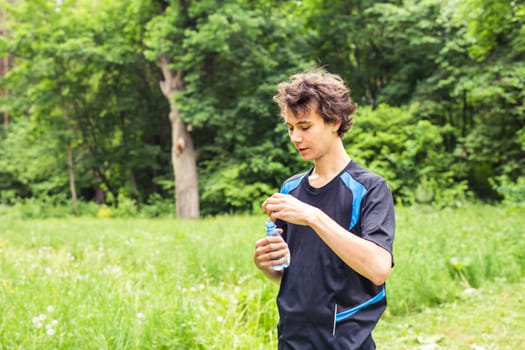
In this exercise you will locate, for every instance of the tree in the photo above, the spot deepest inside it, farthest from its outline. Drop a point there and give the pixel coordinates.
(79, 75)
(47, 59)
(477, 89)
(219, 67)
(382, 49)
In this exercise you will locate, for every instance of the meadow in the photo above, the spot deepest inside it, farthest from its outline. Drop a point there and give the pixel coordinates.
(91, 283)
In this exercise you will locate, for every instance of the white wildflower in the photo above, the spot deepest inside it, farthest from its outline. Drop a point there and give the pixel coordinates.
(51, 327)
(37, 322)
(469, 291)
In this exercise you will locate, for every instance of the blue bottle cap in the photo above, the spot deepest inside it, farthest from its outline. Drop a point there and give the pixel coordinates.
(270, 225)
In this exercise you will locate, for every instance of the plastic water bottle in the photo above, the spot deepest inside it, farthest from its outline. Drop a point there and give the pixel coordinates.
(271, 230)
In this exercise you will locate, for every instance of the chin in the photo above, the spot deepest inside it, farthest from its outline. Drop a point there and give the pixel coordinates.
(307, 158)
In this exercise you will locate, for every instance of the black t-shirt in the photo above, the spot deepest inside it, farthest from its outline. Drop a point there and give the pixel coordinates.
(323, 303)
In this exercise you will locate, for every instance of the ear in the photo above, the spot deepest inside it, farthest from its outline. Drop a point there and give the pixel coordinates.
(336, 125)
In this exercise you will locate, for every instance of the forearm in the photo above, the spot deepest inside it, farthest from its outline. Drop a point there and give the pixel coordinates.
(365, 257)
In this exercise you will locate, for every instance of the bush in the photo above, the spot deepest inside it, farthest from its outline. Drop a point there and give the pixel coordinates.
(157, 206)
(511, 191)
(409, 154)
(41, 207)
(227, 192)
(126, 208)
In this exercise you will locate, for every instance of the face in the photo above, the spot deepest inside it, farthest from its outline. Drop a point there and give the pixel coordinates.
(311, 135)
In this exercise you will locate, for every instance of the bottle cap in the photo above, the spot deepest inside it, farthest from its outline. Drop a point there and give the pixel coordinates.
(270, 225)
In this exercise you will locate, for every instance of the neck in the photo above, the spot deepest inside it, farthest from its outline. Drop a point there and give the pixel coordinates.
(330, 165)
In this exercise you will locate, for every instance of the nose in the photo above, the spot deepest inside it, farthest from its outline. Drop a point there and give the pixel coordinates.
(295, 136)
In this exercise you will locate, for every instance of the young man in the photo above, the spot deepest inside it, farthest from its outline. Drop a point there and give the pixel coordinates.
(337, 223)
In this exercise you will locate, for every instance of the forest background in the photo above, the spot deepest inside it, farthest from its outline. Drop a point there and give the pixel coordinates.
(138, 109)
(118, 107)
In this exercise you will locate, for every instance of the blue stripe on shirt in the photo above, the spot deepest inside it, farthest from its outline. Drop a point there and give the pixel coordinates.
(359, 192)
(291, 185)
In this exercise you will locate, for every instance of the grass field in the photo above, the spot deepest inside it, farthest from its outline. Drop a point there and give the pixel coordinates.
(84, 283)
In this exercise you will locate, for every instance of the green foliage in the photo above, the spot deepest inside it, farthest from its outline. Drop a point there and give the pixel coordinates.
(41, 207)
(477, 89)
(77, 65)
(228, 186)
(226, 191)
(409, 153)
(57, 206)
(382, 49)
(156, 206)
(491, 24)
(29, 159)
(232, 57)
(84, 80)
(513, 192)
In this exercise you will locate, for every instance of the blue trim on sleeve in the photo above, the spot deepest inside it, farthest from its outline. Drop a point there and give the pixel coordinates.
(359, 192)
(342, 315)
(292, 184)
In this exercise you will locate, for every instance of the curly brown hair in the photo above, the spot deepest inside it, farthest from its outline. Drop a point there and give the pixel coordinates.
(318, 89)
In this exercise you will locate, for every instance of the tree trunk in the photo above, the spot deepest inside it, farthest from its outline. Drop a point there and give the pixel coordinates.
(69, 150)
(71, 176)
(183, 154)
(4, 67)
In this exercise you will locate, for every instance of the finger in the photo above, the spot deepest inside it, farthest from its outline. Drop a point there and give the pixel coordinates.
(274, 244)
(269, 260)
(261, 243)
(278, 254)
(265, 260)
(273, 199)
(275, 215)
(269, 239)
(272, 207)
(278, 195)
(269, 200)
(264, 206)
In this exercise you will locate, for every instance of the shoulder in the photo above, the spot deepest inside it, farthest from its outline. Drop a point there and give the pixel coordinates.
(356, 176)
(291, 183)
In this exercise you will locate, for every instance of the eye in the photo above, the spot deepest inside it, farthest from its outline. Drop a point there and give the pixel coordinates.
(304, 128)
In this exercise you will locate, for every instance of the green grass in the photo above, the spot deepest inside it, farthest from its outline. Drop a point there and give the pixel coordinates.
(133, 284)
(83, 283)
(492, 317)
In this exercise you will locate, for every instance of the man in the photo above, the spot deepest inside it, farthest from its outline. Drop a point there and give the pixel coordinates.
(337, 222)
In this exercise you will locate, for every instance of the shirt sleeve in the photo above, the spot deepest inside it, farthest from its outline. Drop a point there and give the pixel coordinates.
(378, 217)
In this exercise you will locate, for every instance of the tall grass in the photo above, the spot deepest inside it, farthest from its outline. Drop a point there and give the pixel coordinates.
(76, 283)
(439, 254)
(133, 284)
